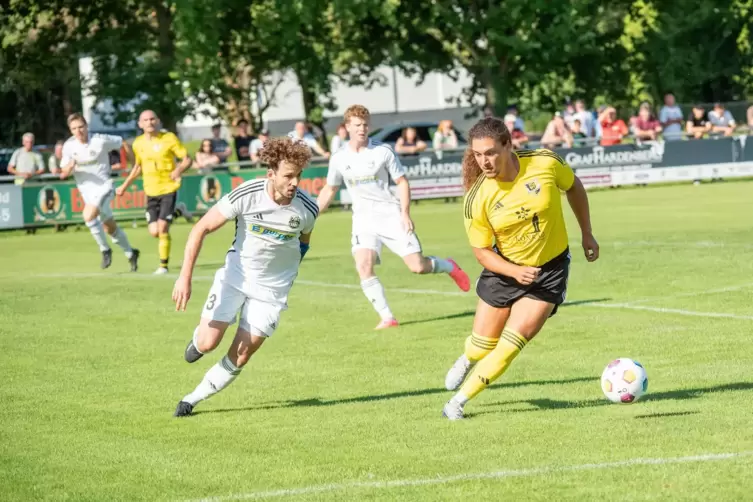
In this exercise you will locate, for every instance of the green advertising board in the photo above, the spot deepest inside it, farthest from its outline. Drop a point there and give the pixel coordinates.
(61, 202)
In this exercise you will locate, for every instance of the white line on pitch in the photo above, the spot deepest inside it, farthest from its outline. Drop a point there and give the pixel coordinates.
(627, 305)
(538, 471)
(727, 289)
(662, 310)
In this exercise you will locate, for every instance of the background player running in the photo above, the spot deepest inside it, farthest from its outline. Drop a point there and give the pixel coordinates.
(88, 158)
(513, 217)
(379, 217)
(273, 222)
(155, 153)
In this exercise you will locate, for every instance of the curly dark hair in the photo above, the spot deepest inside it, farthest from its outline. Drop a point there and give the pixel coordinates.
(489, 127)
(276, 150)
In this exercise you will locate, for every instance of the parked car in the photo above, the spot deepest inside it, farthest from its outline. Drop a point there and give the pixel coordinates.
(424, 130)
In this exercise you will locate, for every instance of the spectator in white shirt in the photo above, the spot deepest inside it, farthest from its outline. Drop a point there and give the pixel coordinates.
(721, 120)
(301, 134)
(339, 139)
(444, 137)
(258, 144)
(25, 162)
(586, 118)
(671, 119)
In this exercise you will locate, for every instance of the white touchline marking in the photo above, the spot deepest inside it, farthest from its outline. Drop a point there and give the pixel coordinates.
(538, 471)
(668, 311)
(727, 289)
(626, 305)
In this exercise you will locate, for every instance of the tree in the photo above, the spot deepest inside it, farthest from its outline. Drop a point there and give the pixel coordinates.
(539, 50)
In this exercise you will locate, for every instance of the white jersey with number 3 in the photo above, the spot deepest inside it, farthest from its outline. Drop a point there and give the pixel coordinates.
(265, 253)
(367, 176)
(92, 171)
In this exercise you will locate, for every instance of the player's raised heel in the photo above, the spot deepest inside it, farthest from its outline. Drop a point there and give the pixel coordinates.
(184, 409)
(456, 376)
(452, 411)
(134, 260)
(387, 323)
(106, 259)
(192, 354)
(459, 276)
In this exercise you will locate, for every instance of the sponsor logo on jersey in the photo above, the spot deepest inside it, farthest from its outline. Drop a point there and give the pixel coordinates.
(522, 213)
(363, 180)
(294, 222)
(271, 232)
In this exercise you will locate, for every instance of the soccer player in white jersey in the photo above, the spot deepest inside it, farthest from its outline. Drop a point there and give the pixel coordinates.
(88, 158)
(273, 224)
(379, 217)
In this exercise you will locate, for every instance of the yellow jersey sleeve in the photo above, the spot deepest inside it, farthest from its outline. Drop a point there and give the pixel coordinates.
(564, 175)
(477, 227)
(176, 147)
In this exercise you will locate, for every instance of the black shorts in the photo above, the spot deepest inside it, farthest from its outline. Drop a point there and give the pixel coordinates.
(161, 207)
(550, 286)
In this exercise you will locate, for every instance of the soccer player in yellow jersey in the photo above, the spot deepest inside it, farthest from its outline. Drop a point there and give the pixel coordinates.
(513, 218)
(155, 153)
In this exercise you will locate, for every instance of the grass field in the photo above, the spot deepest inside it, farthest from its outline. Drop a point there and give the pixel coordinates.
(92, 367)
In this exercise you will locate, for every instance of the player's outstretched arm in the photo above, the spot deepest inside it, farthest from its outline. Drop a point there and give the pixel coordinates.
(326, 194)
(135, 173)
(578, 200)
(210, 222)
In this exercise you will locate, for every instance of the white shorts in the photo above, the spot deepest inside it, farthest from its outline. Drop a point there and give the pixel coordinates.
(100, 196)
(373, 232)
(225, 301)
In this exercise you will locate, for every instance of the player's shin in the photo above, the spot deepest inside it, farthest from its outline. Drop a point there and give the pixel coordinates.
(440, 265)
(374, 292)
(217, 378)
(98, 232)
(119, 238)
(492, 366)
(164, 249)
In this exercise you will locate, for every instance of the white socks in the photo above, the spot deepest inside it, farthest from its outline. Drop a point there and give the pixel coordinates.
(374, 292)
(440, 266)
(119, 238)
(95, 227)
(217, 378)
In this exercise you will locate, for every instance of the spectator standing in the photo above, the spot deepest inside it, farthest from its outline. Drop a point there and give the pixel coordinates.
(205, 158)
(644, 125)
(519, 122)
(444, 137)
(698, 123)
(220, 147)
(750, 117)
(301, 133)
(557, 133)
(722, 120)
(518, 137)
(671, 119)
(242, 141)
(613, 129)
(409, 143)
(25, 162)
(53, 163)
(579, 137)
(339, 139)
(258, 144)
(585, 117)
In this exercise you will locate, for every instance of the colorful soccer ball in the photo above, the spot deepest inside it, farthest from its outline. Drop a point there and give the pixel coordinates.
(624, 381)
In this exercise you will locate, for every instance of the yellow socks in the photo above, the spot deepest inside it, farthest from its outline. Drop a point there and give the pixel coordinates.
(494, 364)
(164, 249)
(477, 347)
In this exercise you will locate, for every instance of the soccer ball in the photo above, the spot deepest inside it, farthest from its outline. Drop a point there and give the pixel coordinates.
(624, 381)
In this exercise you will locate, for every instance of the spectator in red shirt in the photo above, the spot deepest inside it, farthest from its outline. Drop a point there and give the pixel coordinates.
(645, 126)
(612, 128)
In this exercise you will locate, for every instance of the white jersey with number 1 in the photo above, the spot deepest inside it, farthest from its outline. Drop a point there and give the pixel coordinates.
(92, 171)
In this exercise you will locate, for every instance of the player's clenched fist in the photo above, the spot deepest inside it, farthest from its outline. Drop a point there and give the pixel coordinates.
(182, 293)
(526, 275)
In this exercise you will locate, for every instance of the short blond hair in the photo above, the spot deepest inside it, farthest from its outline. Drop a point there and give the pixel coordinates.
(356, 111)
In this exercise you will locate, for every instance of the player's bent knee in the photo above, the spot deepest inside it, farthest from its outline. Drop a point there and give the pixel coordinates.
(210, 335)
(244, 346)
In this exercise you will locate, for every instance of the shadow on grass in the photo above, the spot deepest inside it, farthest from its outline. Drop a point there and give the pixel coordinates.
(671, 414)
(672, 395)
(575, 303)
(317, 402)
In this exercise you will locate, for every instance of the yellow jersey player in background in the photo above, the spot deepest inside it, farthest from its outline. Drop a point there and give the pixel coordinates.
(155, 152)
(514, 221)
